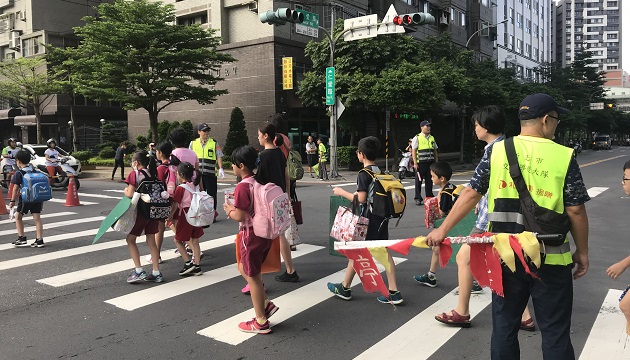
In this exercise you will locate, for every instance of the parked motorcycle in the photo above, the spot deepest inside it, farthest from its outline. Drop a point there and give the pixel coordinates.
(405, 166)
(576, 145)
(61, 181)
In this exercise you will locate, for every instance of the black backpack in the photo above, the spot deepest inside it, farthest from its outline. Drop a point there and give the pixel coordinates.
(156, 208)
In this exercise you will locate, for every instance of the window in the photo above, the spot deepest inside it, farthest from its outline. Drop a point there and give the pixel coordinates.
(528, 26)
(611, 36)
(511, 15)
(512, 42)
(462, 19)
(535, 30)
(191, 19)
(519, 46)
(528, 4)
(542, 11)
(32, 46)
(519, 20)
(537, 54)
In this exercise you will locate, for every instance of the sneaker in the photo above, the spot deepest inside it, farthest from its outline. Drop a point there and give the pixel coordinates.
(245, 289)
(188, 267)
(286, 277)
(424, 279)
(38, 243)
(340, 291)
(253, 326)
(155, 278)
(419, 202)
(150, 260)
(196, 271)
(394, 298)
(476, 288)
(270, 309)
(21, 241)
(135, 277)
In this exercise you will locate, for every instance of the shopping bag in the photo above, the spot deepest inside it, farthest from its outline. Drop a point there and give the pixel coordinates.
(292, 234)
(348, 226)
(296, 205)
(272, 261)
(431, 211)
(127, 220)
(316, 169)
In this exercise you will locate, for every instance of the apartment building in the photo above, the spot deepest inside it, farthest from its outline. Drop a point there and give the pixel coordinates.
(26, 26)
(588, 25)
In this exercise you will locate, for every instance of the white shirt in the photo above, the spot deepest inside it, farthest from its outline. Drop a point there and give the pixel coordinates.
(311, 148)
(53, 154)
(414, 142)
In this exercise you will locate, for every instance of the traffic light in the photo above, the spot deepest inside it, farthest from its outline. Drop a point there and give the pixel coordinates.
(281, 16)
(610, 106)
(414, 19)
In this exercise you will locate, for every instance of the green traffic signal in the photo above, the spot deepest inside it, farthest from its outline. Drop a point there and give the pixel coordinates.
(281, 16)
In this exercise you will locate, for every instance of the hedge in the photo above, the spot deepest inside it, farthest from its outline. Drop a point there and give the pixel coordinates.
(98, 161)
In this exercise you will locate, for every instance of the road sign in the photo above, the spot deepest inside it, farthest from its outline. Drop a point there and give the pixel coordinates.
(330, 86)
(287, 73)
(387, 25)
(597, 106)
(340, 108)
(362, 27)
(310, 25)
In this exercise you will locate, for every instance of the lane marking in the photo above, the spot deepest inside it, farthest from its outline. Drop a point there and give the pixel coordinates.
(43, 216)
(59, 237)
(55, 225)
(403, 342)
(123, 265)
(290, 304)
(97, 196)
(601, 161)
(184, 285)
(608, 338)
(116, 191)
(594, 191)
(63, 201)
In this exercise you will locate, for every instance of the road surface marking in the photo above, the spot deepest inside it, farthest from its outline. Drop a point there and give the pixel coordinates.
(63, 201)
(97, 196)
(43, 216)
(403, 342)
(601, 161)
(594, 191)
(608, 338)
(55, 224)
(184, 285)
(59, 237)
(290, 304)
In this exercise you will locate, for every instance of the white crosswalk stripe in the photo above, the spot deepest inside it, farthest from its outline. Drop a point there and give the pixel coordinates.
(594, 191)
(100, 196)
(56, 224)
(43, 216)
(608, 338)
(63, 201)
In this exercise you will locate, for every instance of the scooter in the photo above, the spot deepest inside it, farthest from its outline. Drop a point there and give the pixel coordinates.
(405, 166)
(61, 181)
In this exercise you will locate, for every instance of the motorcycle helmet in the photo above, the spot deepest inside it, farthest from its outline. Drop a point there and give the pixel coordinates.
(51, 140)
(11, 140)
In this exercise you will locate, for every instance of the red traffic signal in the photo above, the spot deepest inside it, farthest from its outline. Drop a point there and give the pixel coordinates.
(413, 19)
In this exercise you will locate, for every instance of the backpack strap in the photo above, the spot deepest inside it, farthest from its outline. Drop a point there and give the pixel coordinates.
(189, 189)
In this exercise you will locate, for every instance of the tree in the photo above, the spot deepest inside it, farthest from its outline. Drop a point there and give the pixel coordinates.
(26, 81)
(141, 59)
(237, 133)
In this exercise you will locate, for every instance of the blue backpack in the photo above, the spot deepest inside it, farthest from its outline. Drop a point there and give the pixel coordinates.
(35, 186)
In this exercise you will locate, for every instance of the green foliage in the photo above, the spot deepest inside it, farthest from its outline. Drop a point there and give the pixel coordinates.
(188, 126)
(227, 162)
(83, 156)
(237, 133)
(346, 155)
(142, 142)
(107, 153)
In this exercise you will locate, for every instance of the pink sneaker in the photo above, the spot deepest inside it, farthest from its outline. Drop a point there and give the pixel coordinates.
(245, 290)
(270, 309)
(253, 326)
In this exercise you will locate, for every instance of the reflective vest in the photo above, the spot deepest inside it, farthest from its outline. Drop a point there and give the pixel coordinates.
(544, 165)
(322, 152)
(207, 155)
(424, 152)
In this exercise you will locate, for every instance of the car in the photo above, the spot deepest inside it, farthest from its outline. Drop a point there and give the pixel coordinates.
(602, 142)
(38, 158)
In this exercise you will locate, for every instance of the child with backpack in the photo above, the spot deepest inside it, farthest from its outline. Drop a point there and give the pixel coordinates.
(184, 231)
(367, 151)
(136, 181)
(441, 173)
(254, 249)
(22, 159)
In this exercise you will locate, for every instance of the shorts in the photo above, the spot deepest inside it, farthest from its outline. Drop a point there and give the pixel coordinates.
(150, 227)
(34, 208)
(254, 251)
(184, 231)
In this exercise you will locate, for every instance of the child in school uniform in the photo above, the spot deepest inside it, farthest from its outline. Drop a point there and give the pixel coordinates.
(184, 232)
(143, 165)
(22, 159)
(253, 249)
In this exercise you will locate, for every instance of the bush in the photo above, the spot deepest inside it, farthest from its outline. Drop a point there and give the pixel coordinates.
(98, 161)
(107, 153)
(142, 142)
(237, 133)
(346, 155)
(83, 156)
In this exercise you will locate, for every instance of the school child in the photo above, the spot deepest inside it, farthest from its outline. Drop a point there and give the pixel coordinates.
(441, 173)
(618, 268)
(368, 148)
(321, 151)
(22, 160)
(143, 166)
(254, 249)
(184, 232)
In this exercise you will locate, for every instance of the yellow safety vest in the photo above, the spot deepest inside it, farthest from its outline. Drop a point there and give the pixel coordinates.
(322, 152)
(207, 155)
(544, 165)
(424, 152)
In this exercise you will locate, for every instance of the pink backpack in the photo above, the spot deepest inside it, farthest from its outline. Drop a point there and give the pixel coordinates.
(271, 209)
(171, 180)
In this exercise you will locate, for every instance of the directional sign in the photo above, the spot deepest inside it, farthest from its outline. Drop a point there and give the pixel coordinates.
(597, 106)
(339, 108)
(362, 27)
(387, 25)
(330, 86)
(310, 25)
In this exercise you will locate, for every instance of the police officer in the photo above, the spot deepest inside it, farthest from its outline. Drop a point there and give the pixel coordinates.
(424, 153)
(209, 153)
(555, 182)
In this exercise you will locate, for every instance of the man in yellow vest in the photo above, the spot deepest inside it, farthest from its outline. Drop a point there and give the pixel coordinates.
(424, 153)
(209, 153)
(555, 184)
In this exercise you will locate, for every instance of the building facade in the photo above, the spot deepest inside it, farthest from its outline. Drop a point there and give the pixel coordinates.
(588, 25)
(26, 27)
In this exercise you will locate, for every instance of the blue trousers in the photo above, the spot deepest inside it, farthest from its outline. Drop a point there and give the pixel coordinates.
(552, 295)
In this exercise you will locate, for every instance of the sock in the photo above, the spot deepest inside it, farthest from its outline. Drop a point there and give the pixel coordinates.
(156, 272)
(392, 292)
(431, 275)
(261, 320)
(139, 270)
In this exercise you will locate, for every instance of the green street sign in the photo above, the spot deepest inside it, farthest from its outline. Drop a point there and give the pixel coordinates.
(330, 86)
(310, 25)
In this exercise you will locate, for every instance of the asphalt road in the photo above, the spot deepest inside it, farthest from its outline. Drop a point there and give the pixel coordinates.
(70, 299)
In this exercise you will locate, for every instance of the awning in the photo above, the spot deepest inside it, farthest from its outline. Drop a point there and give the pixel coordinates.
(30, 120)
(7, 114)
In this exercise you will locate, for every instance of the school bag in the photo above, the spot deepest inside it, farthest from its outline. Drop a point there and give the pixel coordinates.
(35, 186)
(272, 209)
(201, 210)
(294, 165)
(387, 196)
(171, 180)
(153, 205)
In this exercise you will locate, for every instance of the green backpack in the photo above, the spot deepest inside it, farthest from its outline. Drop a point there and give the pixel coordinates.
(294, 164)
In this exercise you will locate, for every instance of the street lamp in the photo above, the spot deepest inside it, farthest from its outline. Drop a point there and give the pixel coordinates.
(74, 135)
(484, 28)
(101, 129)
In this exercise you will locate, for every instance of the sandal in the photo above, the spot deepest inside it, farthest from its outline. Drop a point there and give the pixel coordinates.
(454, 319)
(528, 325)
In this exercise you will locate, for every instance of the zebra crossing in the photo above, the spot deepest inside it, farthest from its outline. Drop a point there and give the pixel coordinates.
(402, 343)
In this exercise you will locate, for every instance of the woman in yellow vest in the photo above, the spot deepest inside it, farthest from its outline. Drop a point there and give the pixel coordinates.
(553, 177)
(321, 150)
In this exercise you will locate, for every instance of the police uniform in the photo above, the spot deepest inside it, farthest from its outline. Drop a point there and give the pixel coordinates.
(425, 156)
(208, 154)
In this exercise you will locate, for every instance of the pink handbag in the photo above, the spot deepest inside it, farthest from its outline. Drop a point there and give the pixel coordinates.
(348, 226)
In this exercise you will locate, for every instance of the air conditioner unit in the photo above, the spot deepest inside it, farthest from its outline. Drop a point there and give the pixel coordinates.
(14, 40)
(253, 7)
(444, 19)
